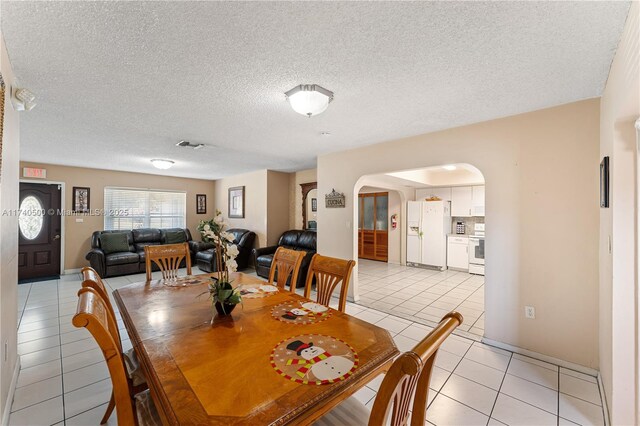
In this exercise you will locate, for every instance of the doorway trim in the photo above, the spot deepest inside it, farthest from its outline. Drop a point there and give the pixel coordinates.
(63, 219)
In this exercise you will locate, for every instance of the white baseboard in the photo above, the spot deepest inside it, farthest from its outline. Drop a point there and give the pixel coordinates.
(72, 271)
(603, 396)
(12, 391)
(542, 357)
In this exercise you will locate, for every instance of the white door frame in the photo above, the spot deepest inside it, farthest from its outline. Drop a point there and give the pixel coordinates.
(62, 219)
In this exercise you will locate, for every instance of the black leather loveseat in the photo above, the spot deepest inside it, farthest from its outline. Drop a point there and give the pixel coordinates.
(132, 261)
(243, 238)
(295, 240)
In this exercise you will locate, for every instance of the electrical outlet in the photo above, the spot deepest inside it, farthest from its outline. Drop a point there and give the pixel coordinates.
(530, 312)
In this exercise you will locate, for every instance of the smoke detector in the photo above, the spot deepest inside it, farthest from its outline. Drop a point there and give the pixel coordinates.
(187, 144)
(22, 99)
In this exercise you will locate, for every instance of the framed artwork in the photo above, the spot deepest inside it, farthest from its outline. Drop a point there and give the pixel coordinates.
(604, 183)
(314, 204)
(236, 202)
(81, 199)
(201, 203)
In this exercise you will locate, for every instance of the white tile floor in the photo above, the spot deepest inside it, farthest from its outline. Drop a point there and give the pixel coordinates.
(422, 295)
(64, 379)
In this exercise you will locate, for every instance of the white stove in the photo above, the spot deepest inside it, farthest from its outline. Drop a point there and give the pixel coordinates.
(476, 250)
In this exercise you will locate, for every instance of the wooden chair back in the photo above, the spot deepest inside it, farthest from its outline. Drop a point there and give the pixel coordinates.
(168, 257)
(93, 314)
(91, 279)
(411, 372)
(286, 263)
(328, 273)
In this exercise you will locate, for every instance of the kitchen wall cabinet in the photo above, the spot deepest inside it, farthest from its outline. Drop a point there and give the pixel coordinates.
(477, 200)
(461, 201)
(458, 252)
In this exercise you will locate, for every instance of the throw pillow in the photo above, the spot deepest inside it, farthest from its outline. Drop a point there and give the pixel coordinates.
(175, 237)
(114, 243)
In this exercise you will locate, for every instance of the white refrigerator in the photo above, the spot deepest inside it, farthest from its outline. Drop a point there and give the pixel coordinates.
(428, 223)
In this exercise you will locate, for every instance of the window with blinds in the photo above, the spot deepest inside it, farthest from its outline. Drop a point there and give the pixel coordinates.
(128, 208)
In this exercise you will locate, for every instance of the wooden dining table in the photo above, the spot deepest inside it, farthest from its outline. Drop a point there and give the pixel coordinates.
(211, 370)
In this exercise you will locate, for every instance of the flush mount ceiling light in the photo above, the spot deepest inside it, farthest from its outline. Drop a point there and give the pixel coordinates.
(309, 99)
(22, 99)
(449, 167)
(162, 164)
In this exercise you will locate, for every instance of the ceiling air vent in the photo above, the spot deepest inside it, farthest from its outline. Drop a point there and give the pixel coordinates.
(187, 144)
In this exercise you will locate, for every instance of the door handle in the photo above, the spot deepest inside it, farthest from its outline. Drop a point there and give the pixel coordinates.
(57, 237)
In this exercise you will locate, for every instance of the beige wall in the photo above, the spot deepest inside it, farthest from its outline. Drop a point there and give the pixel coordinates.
(255, 199)
(266, 203)
(78, 235)
(542, 217)
(295, 195)
(277, 205)
(619, 109)
(8, 234)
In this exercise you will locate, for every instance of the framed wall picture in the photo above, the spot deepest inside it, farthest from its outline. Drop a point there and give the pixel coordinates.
(201, 203)
(236, 202)
(81, 199)
(314, 204)
(604, 182)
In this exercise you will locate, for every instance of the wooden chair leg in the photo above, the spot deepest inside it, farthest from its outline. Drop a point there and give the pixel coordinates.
(110, 407)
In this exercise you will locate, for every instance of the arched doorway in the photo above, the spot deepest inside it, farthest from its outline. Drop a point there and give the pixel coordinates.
(410, 284)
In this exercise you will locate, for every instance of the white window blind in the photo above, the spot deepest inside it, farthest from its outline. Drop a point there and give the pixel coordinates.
(129, 208)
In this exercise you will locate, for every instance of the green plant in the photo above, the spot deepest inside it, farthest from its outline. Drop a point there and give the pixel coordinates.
(223, 293)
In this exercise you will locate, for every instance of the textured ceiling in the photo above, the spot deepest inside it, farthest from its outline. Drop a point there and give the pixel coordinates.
(119, 83)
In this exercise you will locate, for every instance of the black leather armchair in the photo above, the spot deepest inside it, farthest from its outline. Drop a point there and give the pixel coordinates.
(243, 238)
(294, 240)
(133, 260)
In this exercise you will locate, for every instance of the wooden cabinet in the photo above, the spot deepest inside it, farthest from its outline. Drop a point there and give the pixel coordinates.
(373, 220)
(458, 252)
(477, 200)
(461, 201)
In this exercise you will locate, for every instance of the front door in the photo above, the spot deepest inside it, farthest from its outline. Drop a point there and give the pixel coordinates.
(39, 231)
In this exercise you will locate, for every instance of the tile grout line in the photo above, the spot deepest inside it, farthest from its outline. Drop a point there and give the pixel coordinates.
(558, 399)
(501, 383)
(64, 413)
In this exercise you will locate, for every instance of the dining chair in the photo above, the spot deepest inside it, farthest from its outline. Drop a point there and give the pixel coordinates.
(328, 272)
(93, 314)
(286, 263)
(168, 257)
(409, 376)
(91, 279)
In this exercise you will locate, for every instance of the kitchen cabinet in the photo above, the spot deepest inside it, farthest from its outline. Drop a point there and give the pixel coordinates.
(477, 201)
(461, 201)
(458, 252)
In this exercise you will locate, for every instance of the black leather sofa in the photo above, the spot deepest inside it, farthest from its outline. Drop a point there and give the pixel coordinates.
(133, 260)
(295, 240)
(244, 239)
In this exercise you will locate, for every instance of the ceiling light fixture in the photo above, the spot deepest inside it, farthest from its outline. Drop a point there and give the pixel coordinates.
(162, 164)
(309, 99)
(449, 167)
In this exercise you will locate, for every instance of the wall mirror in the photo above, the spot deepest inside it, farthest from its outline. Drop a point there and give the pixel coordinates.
(309, 205)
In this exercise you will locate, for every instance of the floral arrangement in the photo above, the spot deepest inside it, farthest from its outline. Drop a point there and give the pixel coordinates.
(220, 291)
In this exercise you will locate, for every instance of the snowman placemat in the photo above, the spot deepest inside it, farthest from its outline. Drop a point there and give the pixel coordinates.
(300, 313)
(314, 359)
(255, 291)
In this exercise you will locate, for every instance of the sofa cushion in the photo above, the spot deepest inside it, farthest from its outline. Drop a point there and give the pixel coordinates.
(265, 260)
(140, 246)
(175, 237)
(289, 239)
(146, 235)
(114, 243)
(121, 258)
(307, 241)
